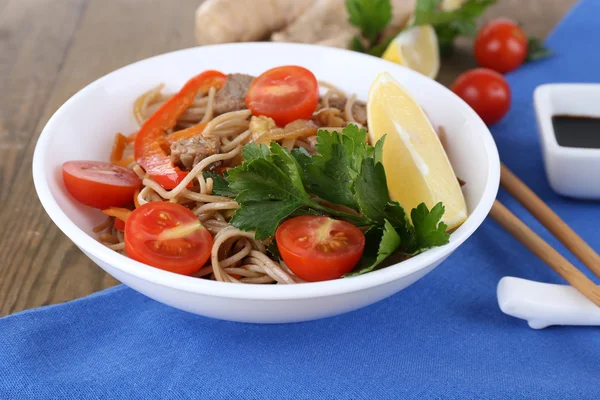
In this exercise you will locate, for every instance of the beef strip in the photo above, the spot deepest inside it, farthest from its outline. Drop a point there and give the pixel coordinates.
(186, 153)
(232, 96)
(359, 109)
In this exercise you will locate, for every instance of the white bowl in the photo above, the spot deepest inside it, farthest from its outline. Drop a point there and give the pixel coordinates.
(84, 128)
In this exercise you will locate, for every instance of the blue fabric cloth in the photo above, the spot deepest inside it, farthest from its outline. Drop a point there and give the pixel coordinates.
(442, 338)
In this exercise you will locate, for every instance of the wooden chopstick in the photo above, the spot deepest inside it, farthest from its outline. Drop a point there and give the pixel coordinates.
(559, 228)
(544, 251)
(554, 224)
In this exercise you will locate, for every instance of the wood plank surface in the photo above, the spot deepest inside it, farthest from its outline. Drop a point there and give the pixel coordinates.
(50, 49)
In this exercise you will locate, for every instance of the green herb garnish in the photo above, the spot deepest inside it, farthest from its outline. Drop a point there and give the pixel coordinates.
(273, 184)
(450, 24)
(536, 50)
(372, 17)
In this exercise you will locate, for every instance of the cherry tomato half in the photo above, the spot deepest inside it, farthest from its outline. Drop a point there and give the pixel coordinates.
(319, 248)
(284, 94)
(486, 91)
(167, 236)
(500, 45)
(99, 184)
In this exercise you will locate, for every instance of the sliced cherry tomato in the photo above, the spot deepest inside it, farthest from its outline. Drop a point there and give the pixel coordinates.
(486, 91)
(99, 184)
(500, 45)
(284, 94)
(148, 149)
(167, 236)
(319, 248)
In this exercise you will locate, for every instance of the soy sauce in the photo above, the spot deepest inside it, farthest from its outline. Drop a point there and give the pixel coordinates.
(577, 131)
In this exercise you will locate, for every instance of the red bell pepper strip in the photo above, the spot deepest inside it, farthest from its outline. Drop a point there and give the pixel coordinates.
(149, 153)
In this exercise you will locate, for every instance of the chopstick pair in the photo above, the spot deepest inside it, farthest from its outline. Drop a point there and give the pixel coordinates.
(563, 232)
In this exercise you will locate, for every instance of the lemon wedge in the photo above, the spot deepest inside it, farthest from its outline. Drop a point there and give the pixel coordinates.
(417, 49)
(416, 165)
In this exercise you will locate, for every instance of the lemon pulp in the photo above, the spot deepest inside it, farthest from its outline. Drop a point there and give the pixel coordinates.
(416, 165)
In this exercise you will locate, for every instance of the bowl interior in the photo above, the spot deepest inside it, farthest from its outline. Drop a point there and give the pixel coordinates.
(85, 126)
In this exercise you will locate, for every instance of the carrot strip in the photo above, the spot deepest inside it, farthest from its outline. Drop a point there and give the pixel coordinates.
(131, 138)
(116, 154)
(117, 212)
(125, 162)
(121, 215)
(168, 140)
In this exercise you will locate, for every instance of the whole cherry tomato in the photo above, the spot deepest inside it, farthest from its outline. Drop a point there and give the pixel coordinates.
(500, 45)
(486, 91)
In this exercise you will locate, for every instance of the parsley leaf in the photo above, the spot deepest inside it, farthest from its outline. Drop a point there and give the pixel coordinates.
(378, 150)
(253, 151)
(397, 215)
(450, 24)
(357, 45)
(373, 16)
(288, 164)
(220, 185)
(267, 194)
(388, 242)
(429, 230)
(370, 16)
(371, 190)
(273, 184)
(331, 172)
(273, 250)
(536, 50)
(270, 187)
(380, 47)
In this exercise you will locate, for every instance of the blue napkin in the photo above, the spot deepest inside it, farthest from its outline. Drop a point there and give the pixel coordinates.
(442, 338)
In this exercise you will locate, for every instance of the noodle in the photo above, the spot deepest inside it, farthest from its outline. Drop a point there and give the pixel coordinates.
(107, 223)
(348, 109)
(208, 113)
(140, 106)
(236, 256)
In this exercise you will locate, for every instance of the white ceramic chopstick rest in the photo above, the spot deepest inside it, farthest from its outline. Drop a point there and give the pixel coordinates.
(545, 304)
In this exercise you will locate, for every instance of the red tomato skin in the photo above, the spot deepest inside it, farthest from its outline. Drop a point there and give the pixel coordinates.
(140, 231)
(263, 98)
(119, 225)
(486, 91)
(311, 264)
(100, 191)
(500, 45)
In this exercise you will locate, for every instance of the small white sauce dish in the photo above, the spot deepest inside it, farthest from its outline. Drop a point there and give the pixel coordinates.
(571, 171)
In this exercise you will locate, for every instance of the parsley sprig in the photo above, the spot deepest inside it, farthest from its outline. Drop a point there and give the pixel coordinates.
(372, 17)
(449, 24)
(273, 184)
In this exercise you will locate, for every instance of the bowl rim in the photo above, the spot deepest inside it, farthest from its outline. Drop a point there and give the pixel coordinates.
(92, 248)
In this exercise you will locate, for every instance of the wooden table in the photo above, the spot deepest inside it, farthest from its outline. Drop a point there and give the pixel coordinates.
(50, 49)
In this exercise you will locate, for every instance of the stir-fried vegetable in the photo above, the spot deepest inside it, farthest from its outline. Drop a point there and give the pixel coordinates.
(345, 180)
(149, 153)
(120, 214)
